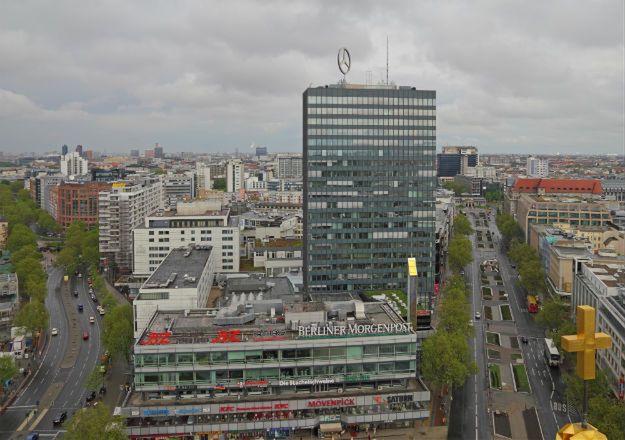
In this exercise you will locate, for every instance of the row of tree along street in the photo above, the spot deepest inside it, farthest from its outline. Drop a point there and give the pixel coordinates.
(81, 253)
(446, 355)
(604, 411)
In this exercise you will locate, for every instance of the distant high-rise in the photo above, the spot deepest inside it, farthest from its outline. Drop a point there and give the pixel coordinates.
(369, 184)
(289, 167)
(64, 150)
(537, 167)
(455, 160)
(134, 153)
(79, 150)
(74, 165)
(158, 151)
(261, 151)
(234, 175)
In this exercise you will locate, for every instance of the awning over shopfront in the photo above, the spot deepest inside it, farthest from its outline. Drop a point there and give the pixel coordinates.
(330, 427)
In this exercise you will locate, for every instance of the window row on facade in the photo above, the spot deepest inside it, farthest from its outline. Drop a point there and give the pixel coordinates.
(423, 141)
(217, 377)
(370, 100)
(427, 121)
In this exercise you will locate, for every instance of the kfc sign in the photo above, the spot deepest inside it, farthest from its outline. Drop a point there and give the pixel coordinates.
(157, 338)
(227, 336)
(322, 403)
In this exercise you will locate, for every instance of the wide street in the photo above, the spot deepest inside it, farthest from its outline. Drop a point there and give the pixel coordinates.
(58, 380)
(472, 404)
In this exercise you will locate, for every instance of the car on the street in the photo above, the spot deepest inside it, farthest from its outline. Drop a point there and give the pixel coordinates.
(76, 293)
(79, 275)
(462, 272)
(90, 397)
(524, 339)
(58, 420)
(32, 436)
(92, 320)
(80, 307)
(85, 335)
(55, 331)
(94, 298)
(478, 315)
(101, 310)
(470, 323)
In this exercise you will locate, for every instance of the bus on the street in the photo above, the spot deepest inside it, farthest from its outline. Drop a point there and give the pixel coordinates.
(551, 353)
(532, 304)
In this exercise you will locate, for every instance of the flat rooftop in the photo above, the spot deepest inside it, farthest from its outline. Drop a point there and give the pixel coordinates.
(610, 274)
(181, 269)
(257, 319)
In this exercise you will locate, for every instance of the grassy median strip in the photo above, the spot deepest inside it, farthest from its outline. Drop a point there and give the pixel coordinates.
(495, 376)
(506, 314)
(520, 378)
(492, 338)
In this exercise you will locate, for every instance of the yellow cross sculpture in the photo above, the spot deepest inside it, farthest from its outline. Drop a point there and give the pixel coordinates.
(585, 343)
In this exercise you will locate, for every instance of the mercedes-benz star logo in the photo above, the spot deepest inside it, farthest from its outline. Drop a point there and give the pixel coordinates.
(344, 60)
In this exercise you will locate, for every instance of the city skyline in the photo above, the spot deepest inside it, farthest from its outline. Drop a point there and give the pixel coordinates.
(207, 78)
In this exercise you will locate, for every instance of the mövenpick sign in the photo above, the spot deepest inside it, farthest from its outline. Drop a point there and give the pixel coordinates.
(354, 329)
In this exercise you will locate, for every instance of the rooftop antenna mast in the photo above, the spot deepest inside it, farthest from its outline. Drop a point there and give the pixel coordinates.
(387, 60)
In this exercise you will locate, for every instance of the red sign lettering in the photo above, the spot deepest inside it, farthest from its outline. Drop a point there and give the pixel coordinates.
(281, 406)
(227, 336)
(157, 338)
(331, 402)
(226, 408)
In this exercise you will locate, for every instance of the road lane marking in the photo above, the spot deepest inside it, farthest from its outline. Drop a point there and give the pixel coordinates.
(36, 422)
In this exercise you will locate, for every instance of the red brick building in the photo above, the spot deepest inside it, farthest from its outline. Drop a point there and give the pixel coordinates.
(76, 201)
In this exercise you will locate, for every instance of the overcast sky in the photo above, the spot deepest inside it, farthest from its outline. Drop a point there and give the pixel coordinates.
(511, 76)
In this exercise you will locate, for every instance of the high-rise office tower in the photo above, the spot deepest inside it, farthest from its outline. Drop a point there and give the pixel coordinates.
(158, 152)
(456, 160)
(79, 150)
(64, 150)
(369, 184)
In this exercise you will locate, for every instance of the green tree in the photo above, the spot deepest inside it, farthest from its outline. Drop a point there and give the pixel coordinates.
(604, 411)
(17, 185)
(219, 184)
(90, 248)
(95, 379)
(509, 228)
(95, 423)
(33, 316)
(462, 225)
(117, 330)
(7, 368)
(532, 276)
(459, 252)
(457, 187)
(46, 222)
(446, 359)
(20, 236)
(28, 251)
(553, 314)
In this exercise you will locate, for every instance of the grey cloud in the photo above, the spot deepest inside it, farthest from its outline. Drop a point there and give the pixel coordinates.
(196, 75)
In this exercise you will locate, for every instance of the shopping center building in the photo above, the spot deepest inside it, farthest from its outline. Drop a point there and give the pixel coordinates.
(276, 367)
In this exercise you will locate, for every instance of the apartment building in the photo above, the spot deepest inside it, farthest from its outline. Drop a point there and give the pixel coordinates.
(73, 164)
(235, 175)
(278, 256)
(72, 201)
(122, 209)
(601, 284)
(289, 167)
(200, 222)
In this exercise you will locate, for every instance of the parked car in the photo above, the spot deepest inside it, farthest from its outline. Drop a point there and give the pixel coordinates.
(524, 339)
(478, 315)
(32, 436)
(91, 320)
(79, 275)
(80, 308)
(55, 331)
(90, 397)
(58, 420)
(75, 293)
(94, 298)
(85, 335)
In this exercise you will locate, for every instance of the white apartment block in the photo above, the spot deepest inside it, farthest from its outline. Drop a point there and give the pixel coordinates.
(537, 167)
(182, 281)
(201, 222)
(178, 187)
(235, 175)
(290, 167)
(202, 178)
(279, 256)
(602, 286)
(74, 165)
(122, 209)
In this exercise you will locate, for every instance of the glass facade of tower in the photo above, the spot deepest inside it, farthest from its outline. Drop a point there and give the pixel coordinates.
(369, 181)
